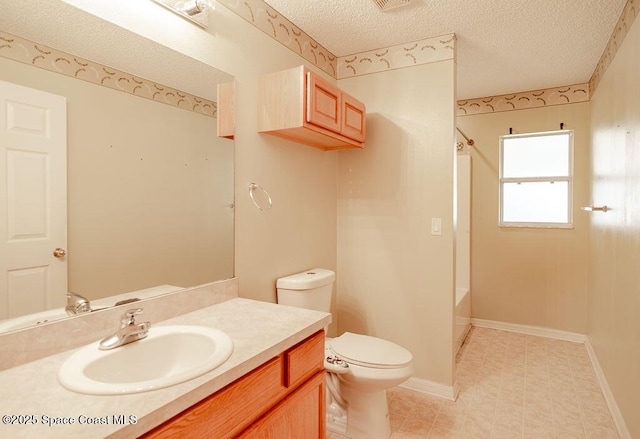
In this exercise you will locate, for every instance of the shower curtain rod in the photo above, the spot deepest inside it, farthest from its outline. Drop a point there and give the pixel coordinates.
(470, 142)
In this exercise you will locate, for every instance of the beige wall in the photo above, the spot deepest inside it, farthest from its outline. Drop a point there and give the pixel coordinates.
(299, 232)
(527, 276)
(396, 280)
(149, 189)
(614, 253)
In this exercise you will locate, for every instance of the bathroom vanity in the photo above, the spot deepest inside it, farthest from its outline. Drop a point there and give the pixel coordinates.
(271, 386)
(283, 398)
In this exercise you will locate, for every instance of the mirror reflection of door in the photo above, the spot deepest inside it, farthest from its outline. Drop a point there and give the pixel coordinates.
(33, 206)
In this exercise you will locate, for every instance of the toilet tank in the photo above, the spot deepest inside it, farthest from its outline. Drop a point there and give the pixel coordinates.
(310, 289)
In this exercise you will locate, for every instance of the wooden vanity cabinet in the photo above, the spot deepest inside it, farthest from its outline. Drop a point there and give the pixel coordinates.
(284, 398)
(299, 105)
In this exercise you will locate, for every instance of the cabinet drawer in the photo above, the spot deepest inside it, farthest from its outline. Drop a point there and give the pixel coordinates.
(230, 410)
(304, 360)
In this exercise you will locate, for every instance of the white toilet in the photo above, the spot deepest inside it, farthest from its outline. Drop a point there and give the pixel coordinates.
(361, 368)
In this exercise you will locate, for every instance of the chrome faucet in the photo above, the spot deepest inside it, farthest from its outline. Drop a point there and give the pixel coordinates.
(76, 304)
(130, 331)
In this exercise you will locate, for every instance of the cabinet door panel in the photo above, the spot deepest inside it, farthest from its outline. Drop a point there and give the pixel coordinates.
(353, 118)
(324, 103)
(300, 416)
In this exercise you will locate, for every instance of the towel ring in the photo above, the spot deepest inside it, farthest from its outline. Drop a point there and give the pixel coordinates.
(264, 199)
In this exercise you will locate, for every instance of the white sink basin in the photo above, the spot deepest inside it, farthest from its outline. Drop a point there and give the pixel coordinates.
(168, 355)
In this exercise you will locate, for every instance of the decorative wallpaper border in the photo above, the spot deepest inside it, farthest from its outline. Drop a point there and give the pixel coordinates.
(53, 60)
(519, 101)
(628, 16)
(397, 57)
(272, 23)
(425, 51)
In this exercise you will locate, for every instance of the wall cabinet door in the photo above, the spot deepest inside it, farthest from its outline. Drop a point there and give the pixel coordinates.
(353, 118)
(324, 103)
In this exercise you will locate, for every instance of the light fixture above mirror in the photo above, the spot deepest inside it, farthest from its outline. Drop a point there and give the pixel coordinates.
(196, 11)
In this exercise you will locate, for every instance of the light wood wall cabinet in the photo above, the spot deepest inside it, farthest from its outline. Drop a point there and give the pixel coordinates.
(226, 119)
(301, 106)
(284, 398)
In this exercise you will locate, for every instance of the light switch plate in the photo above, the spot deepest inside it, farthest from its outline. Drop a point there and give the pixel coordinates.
(436, 226)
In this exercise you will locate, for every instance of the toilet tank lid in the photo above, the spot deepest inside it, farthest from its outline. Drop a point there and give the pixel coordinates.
(314, 278)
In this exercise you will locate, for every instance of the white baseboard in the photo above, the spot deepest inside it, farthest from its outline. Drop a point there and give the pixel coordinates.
(618, 420)
(530, 330)
(431, 388)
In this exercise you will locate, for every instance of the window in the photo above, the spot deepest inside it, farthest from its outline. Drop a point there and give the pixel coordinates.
(536, 179)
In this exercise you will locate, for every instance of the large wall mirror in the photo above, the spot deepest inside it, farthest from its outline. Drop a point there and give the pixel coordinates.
(149, 184)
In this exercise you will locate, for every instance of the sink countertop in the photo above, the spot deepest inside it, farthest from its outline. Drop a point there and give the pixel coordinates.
(32, 396)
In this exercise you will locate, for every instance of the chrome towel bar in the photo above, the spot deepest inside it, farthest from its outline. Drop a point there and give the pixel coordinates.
(595, 209)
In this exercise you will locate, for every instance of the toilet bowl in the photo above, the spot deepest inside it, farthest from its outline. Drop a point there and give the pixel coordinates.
(361, 368)
(366, 368)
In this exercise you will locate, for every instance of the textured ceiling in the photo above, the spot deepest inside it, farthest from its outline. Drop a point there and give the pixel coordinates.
(504, 46)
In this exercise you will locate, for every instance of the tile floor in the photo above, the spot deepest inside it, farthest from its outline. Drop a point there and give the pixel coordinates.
(512, 386)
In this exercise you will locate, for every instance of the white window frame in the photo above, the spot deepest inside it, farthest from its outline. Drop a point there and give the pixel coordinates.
(568, 179)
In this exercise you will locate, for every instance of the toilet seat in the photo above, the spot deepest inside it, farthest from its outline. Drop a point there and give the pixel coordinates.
(367, 351)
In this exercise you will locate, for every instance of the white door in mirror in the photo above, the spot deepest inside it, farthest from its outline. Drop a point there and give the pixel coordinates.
(168, 355)
(33, 206)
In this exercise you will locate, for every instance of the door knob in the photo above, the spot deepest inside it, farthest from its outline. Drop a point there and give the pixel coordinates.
(59, 253)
